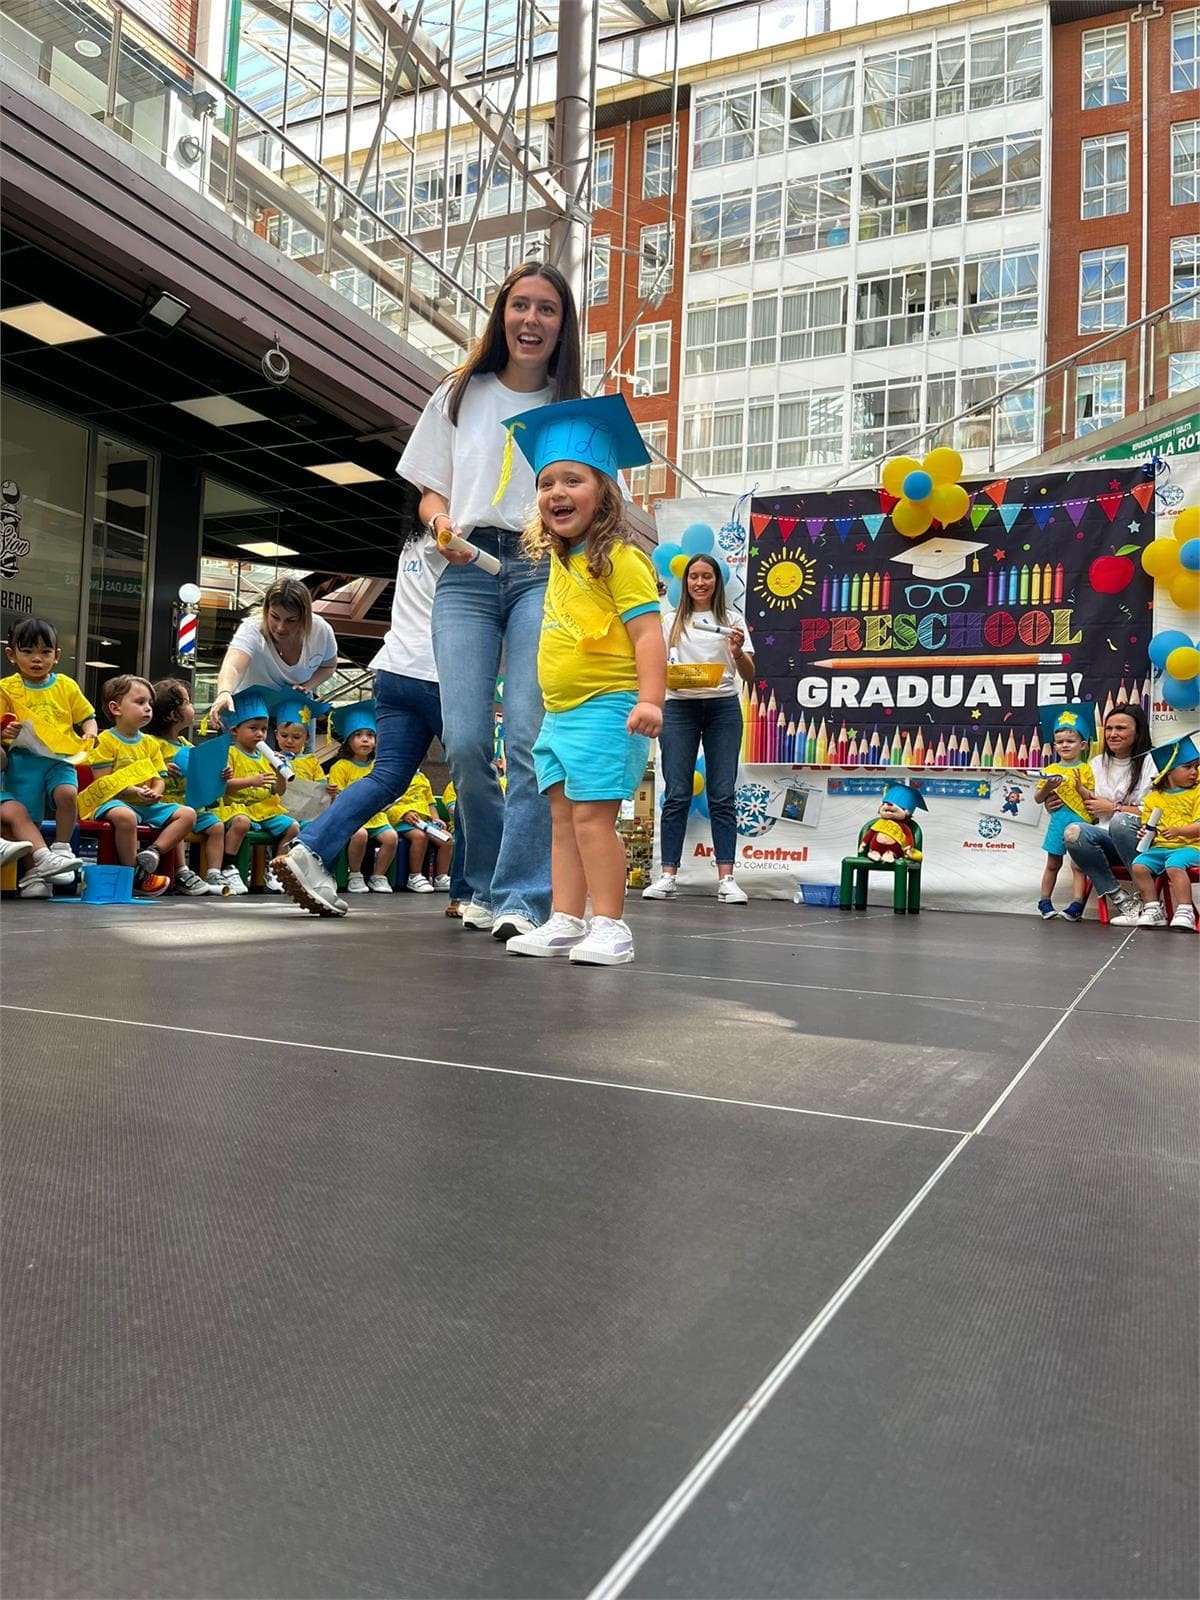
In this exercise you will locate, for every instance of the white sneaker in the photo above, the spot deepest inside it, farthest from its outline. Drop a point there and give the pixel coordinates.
(304, 877)
(378, 884)
(1185, 917)
(49, 869)
(215, 879)
(356, 883)
(477, 918)
(270, 882)
(418, 883)
(67, 866)
(34, 888)
(609, 943)
(1123, 907)
(442, 883)
(511, 924)
(729, 894)
(554, 938)
(13, 849)
(661, 889)
(1152, 916)
(234, 881)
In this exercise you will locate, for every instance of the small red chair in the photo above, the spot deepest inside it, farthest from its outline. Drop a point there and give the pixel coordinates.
(106, 839)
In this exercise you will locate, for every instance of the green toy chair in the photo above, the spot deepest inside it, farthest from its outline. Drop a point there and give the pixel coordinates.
(906, 878)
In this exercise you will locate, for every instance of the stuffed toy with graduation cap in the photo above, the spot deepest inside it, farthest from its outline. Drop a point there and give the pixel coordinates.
(890, 836)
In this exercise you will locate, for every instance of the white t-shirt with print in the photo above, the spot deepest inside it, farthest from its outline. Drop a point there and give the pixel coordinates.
(463, 463)
(696, 644)
(267, 668)
(407, 648)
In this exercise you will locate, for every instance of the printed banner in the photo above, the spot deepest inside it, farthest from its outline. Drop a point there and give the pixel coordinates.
(877, 650)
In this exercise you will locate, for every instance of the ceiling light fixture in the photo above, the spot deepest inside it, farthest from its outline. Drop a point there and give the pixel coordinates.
(345, 472)
(47, 323)
(219, 409)
(111, 666)
(164, 309)
(87, 48)
(267, 548)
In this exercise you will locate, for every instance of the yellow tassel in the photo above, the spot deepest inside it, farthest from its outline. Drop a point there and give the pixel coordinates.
(506, 464)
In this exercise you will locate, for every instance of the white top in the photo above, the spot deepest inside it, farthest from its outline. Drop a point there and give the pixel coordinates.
(463, 463)
(694, 644)
(1113, 779)
(407, 648)
(266, 667)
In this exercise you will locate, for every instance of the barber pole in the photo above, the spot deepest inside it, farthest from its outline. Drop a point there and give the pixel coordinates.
(185, 639)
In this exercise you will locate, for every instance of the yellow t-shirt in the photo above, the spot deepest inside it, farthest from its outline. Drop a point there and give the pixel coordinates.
(253, 803)
(585, 649)
(118, 762)
(1178, 806)
(307, 767)
(175, 788)
(1067, 792)
(53, 707)
(417, 797)
(343, 773)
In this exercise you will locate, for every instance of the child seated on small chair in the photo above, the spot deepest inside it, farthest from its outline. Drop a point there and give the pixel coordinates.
(20, 836)
(354, 725)
(415, 807)
(1069, 777)
(252, 793)
(173, 716)
(1169, 841)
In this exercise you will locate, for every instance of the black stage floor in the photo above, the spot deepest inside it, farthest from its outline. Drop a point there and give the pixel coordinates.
(815, 1254)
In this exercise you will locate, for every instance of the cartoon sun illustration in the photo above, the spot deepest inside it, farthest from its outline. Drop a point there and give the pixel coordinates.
(785, 579)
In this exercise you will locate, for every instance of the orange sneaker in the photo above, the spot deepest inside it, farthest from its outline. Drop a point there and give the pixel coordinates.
(149, 885)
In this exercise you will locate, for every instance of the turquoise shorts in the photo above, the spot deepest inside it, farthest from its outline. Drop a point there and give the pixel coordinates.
(590, 751)
(204, 821)
(1164, 856)
(155, 815)
(274, 827)
(384, 827)
(32, 781)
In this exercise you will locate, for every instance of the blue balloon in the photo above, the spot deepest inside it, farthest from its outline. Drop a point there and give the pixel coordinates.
(662, 558)
(674, 592)
(698, 540)
(1178, 695)
(918, 486)
(1189, 555)
(1163, 643)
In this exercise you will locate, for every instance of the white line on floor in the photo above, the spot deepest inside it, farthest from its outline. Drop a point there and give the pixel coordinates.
(631, 1561)
(636, 971)
(470, 1066)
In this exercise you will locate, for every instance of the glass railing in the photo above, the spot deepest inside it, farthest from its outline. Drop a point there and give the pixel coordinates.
(117, 68)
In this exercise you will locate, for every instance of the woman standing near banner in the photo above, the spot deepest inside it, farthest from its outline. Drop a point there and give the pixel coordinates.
(1123, 772)
(704, 629)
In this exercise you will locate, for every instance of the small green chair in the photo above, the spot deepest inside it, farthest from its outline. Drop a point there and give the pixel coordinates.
(906, 878)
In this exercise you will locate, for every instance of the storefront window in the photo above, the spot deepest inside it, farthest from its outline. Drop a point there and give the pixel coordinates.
(119, 563)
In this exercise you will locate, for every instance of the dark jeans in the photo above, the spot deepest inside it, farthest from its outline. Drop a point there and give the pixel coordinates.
(715, 723)
(408, 717)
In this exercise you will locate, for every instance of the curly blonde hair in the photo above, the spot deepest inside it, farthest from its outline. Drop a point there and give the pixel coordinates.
(607, 529)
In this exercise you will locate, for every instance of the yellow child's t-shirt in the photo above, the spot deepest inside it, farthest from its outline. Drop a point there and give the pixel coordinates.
(585, 649)
(307, 767)
(118, 762)
(253, 803)
(53, 708)
(345, 772)
(1080, 773)
(417, 797)
(1178, 807)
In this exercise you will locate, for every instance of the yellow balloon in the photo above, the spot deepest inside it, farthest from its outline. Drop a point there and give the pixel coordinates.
(944, 466)
(1184, 663)
(1185, 591)
(697, 782)
(678, 566)
(1160, 559)
(949, 502)
(911, 519)
(1187, 524)
(895, 472)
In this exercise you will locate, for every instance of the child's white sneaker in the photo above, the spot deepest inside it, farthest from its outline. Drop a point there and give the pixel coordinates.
(557, 937)
(191, 883)
(1152, 916)
(609, 943)
(730, 894)
(234, 881)
(34, 888)
(419, 883)
(13, 849)
(378, 884)
(1185, 917)
(68, 863)
(442, 883)
(356, 883)
(661, 889)
(216, 881)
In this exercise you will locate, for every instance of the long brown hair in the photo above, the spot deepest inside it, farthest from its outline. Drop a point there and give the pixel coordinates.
(607, 529)
(686, 609)
(491, 350)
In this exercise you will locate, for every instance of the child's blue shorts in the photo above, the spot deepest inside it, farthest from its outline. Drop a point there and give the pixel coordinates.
(1166, 855)
(32, 781)
(155, 815)
(1056, 825)
(274, 827)
(590, 751)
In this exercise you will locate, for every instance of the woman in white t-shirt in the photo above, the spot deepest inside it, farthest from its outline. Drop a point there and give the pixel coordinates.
(528, 355)
(708, 717)
(1123, 772)
(283, 647)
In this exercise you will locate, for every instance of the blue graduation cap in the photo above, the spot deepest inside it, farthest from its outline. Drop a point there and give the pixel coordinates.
(204, 765)
(352, 719)
(293, 705)
(598, 433)
(1167, 756)
(248, 704)
(1080, 717)
(905, 796)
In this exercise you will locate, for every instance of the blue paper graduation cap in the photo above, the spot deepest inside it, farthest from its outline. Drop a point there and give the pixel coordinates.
(1080, 717)
(1166, 756)
(905, 796)
(598, 433)
(293, 705)
(352, 719)
(204, 765)
(247, 704)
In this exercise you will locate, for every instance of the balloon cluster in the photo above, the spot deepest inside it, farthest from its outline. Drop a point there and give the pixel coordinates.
(1176, 562)
(670, 560)
(1175, 655)
(928, 491)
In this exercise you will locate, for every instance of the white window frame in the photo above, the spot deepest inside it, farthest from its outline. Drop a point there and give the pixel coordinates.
(722, 248)
(828, 206)
(1185, 275)
(887, 101)
(1185, 163)
(724, 127)
(1015, 275)
(601, 270)
(820, 441)
(950, 81)
(1185, 52)
(1104, 67)
(792, 110)
(706, 456)
(998, 182)
(658, 182)
(1099, 396)
(651, 480)
(1109, 196)
(595, 362)
(651, 262)
(1016, 79)
(603, 154)
(716, 335)
(652, 362)
(899, 421)
(890, 216)
(1183, 371)
(1103, 289)
(897, 301)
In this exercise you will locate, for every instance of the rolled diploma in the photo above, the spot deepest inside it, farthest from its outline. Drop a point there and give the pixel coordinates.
(452, 541)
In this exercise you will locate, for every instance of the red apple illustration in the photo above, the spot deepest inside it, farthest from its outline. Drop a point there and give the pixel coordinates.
(1111, 574)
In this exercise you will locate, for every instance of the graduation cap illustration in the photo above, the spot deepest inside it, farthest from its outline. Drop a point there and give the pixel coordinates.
(938, 559)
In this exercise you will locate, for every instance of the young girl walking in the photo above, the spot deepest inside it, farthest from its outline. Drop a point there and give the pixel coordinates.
(601, 667)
